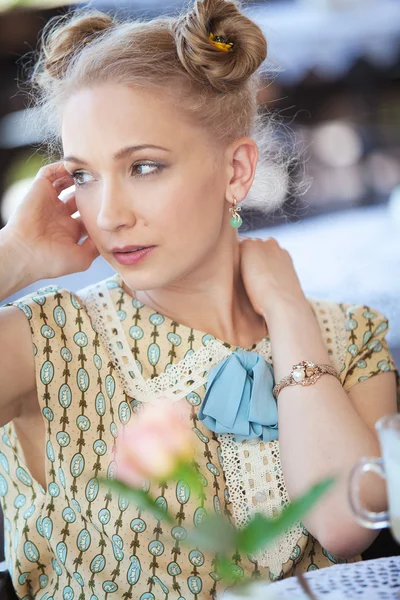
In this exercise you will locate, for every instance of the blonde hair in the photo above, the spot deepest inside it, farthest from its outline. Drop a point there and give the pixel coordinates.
(174, 57)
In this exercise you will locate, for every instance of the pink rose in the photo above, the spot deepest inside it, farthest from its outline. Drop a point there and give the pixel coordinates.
(158, 438)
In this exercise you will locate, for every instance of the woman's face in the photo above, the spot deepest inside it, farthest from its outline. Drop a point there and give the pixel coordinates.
(171, 196)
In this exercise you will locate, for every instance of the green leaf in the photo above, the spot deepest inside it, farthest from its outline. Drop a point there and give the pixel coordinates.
(215, 534)
(262, 531)
(188, 474)
(226, 569)
(141, 498)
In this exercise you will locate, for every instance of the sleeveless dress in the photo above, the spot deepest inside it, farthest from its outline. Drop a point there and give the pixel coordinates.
(100, 353)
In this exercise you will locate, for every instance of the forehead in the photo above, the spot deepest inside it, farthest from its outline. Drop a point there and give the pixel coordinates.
(120, 115)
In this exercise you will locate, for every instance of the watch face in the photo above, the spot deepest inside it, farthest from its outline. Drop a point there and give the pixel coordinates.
(298, 374)
(305, 373)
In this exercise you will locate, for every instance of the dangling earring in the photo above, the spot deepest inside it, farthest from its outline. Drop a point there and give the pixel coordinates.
(236, 219)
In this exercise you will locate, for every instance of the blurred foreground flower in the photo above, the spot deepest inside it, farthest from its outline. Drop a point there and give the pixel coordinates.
(156, 441)
(157, 445)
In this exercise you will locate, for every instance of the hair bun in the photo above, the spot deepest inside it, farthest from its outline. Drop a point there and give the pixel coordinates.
(225, 71)
(60, 42)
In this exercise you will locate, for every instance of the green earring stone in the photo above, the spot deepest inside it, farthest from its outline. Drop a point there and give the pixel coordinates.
(236, 221)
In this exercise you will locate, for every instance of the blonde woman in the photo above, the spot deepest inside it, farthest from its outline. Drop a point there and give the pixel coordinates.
(157, 123)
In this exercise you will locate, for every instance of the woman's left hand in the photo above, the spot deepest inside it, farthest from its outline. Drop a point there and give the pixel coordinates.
(268, 274)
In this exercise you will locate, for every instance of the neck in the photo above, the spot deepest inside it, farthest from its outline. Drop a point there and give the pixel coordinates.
(212, 299)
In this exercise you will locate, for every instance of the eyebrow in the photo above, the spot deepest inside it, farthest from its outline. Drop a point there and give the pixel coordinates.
(118, 155)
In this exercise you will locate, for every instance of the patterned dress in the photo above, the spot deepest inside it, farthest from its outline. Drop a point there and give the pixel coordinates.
(99, 353)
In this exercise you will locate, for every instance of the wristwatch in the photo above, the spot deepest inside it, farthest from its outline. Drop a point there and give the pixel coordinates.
(305, 373)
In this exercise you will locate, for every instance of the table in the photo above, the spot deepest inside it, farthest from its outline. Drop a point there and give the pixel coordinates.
(377, 579)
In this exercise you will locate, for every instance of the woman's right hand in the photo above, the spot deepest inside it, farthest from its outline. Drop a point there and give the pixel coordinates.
(43, 231)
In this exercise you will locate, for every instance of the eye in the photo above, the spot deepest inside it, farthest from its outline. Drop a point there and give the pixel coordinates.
(79, 174)
(138, 170)
(145, 169)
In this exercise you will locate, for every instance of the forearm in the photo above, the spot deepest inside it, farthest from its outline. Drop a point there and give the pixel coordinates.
(320, 432)
(15, 273)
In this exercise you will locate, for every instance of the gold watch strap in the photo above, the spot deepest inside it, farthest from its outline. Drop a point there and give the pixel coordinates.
(304, 373)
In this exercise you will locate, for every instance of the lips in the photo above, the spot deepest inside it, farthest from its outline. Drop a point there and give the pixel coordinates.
(131, 255)
(129, 249)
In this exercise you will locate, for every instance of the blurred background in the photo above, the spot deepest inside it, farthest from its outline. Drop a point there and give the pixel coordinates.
(334, 79)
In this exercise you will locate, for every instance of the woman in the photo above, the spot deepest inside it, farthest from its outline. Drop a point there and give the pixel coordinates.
(155, 120)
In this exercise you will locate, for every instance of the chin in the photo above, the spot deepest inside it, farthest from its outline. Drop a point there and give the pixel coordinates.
(153, 274)
(141, 282)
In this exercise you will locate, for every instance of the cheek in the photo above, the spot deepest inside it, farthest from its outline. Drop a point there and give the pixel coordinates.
(89, 216)
(192, 224)
(195, 206)
(196, 230)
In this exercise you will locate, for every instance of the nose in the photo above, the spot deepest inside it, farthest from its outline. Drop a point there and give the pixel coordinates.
(115, 209)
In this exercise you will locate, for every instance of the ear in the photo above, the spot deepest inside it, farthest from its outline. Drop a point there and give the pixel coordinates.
(242, 157)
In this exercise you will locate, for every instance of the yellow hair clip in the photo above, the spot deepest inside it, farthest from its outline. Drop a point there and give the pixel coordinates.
(221, 43)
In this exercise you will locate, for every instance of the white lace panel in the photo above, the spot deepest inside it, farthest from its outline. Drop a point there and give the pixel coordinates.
(189, 373)
(252, 468)
(255, 482)
(332, 322)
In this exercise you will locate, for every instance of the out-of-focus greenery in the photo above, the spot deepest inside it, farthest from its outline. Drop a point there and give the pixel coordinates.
(8, 4)
(216, 533)
(26, 165)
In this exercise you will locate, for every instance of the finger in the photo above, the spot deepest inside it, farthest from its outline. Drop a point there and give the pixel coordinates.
(63, 183)
(272, 240)
(70, 203)
(80, 229)
(52, 172)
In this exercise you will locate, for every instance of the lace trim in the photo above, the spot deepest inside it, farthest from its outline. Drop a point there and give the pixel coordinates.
(180, 379)
(264, 468)
(189, 373)
(332, 322)
(255, 483)
(339, 325)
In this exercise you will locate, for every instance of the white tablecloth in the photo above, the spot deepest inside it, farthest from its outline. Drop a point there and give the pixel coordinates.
(372, 580)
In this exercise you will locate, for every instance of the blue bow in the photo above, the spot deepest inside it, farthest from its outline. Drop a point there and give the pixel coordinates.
(239, 398)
